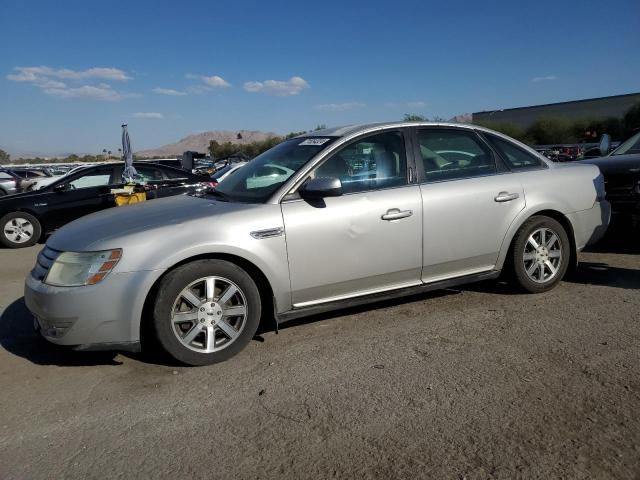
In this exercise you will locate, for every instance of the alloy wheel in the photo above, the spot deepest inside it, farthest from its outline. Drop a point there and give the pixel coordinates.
(542, 256)
(209, 314)
(18, 230)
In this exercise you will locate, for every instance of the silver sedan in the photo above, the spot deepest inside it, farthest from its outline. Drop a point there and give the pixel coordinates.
(362, 213)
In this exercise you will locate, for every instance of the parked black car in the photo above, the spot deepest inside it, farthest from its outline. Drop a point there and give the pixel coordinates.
(26, 217)
(621, 171)
(9, 183)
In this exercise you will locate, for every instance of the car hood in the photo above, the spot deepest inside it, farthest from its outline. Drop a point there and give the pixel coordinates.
(23, 196)
(144, 222)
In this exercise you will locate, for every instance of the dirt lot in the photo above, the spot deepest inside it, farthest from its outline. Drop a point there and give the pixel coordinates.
(469, 383)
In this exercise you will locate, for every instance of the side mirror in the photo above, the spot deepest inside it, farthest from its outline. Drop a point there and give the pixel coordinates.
(605, 144)
(318, 188)
(61, 187)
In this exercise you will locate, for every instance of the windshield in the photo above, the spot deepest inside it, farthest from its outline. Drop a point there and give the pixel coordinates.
(262, 176)
(632, 145)
(221, 172)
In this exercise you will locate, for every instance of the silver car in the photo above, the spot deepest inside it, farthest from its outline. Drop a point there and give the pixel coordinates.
(366, 212)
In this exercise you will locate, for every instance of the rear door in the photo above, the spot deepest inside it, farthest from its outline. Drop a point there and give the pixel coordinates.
(469, 201)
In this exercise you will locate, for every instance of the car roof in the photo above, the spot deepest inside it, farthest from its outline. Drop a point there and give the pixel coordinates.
(348, 130)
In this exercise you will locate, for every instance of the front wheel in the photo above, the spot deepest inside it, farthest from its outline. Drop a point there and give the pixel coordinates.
(19, 230)
(540, 255)
(206, 311)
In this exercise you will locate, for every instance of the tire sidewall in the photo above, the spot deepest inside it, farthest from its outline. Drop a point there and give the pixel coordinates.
(525, 231)
(37, 230)
(171, 286)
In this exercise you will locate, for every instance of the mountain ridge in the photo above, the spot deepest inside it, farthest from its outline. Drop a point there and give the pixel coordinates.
(199, 142)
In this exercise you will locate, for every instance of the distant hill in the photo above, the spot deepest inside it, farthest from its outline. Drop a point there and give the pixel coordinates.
(199, 142)
(463, 118)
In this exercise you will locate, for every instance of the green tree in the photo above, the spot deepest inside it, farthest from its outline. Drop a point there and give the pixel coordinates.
(631, 120)
(545, 131)
(412, 117)
(4, 157)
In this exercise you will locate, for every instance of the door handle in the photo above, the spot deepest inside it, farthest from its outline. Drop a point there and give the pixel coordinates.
(506, 197)
(396, 214)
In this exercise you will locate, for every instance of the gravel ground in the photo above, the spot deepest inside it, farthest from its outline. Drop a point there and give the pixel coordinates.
(477, 382)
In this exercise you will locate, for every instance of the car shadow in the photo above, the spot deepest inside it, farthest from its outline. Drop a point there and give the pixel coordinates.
(595, 273)
(18, 337)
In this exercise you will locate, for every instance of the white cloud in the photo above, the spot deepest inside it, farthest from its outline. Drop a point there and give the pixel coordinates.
(29, 74)
(417, 104)
(339, 107)
(168, 91)
(280, 88)
(414, 104)
(148, 115)
(49, 81)
(93, 92)
(544, 79)
(215, 81)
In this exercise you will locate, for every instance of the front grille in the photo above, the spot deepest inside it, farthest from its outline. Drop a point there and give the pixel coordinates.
(45, 259)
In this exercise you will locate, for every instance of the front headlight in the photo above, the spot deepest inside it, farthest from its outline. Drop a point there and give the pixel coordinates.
(75, 269)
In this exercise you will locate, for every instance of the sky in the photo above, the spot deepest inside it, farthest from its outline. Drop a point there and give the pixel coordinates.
(72, 71)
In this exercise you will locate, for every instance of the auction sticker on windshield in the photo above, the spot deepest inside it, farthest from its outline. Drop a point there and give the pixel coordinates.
(315, 141)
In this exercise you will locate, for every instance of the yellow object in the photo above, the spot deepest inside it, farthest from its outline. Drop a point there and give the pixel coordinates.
(130, 199)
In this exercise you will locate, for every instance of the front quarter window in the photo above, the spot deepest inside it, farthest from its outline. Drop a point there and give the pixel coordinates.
(262, 176)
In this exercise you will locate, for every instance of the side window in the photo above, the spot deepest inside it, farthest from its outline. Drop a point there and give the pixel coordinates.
(5, 176)
(450, 154)
(149, 173)
(515, 156)
(95, 178)
(372, 163)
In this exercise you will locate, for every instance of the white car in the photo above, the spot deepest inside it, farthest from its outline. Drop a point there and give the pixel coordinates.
(44, 181)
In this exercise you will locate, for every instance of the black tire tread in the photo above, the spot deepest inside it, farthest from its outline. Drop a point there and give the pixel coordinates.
(175, 281)
(37, 230)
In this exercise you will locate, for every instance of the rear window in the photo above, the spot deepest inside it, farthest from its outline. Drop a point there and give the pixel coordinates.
(516, 158)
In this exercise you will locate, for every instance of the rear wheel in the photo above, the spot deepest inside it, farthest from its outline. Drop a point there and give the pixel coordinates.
(540, 255)
(206, 311)
(19, 229)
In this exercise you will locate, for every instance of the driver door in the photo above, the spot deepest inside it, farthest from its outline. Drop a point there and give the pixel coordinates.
(367, 240)
(85, 193)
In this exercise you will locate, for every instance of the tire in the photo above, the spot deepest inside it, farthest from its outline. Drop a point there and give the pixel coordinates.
(538, 270)
(19, 230)
(209, 330)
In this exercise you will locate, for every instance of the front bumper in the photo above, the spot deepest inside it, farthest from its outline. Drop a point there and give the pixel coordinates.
(590, 225)
(95, 317)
